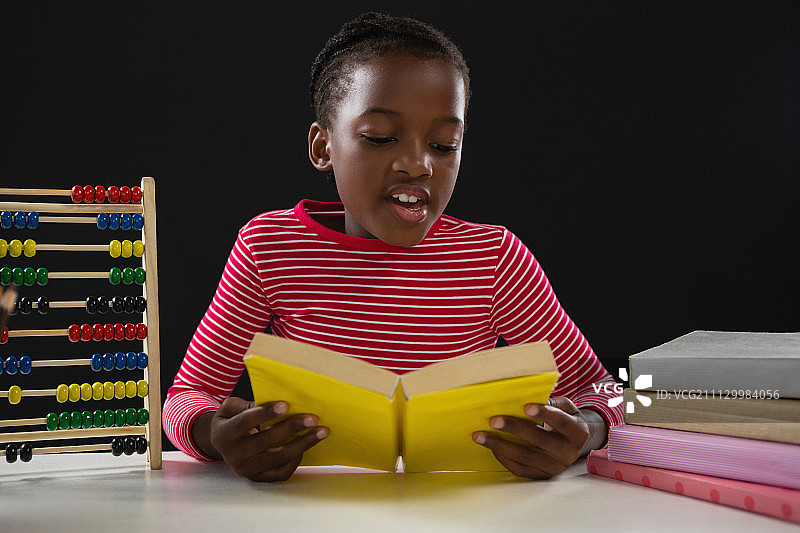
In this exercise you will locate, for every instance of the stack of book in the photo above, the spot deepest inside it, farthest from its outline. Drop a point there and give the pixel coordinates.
(720, 422)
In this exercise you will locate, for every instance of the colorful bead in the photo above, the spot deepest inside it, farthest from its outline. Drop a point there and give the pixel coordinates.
(108, 390)
(15, 248)
(108, 332)
(98, 418)
(11, 365)
(6, 275)
(97, 390)
(6, 220)
(120, 361)
(108, 418)
(99, 194)
(4, 335)
(130, 332)
(88, 194)
(62, 393)
(130, 358)
(3, 247)
(91, 305)
(119, 332)
(88, 418)
(142, 416)
(30, 247)
(141, 331)
(138, 248)
(102, 304)
(141, 360)
(77, 194)
(20, 219)
(11, 453)
(25, 364)
(51, 421)
(97, 332)
(141, 445)
(124, 194)
(86, 332)
(86, 392)
(125, 222)
(64, 420)
(42, 276)
(136, 194)
(129, 304)
(108, 358)
(74, 392)
(130, 389)
(33, 220)
(75, 420)
(102, 221)
(74, 332)
(25, 452)
(25, 305)
(97, 362)
(14, 394)
(115, 276)
(115, 248)
(142, 388)
(116, 446)
(126, 248)
(119, 390)
(139, 276)
(28, 276)
(130, 416)
(140, 304)
(137, 221)
(18, 276)
(117, 304)
(129, 445)
(119, 418)
(113, 194)
(128, 275)
(113, 221)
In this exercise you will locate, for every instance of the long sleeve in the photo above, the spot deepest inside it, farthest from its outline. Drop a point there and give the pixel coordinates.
(525, 309)
(213, 362)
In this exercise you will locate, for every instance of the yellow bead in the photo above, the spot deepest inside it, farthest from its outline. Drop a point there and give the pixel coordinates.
(86, 392)
(130, 389)
(108, 390)
(115, 248)
(74, 392)
(142, 388)
(138, 248)
(30, 247)
(127, 248)
(14, 394)
(97, 391)
(119, 390)
(62, 393)
(3, 247)
(15, 248)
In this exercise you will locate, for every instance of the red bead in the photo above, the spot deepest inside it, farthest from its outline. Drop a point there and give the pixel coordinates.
(88, 194)
(74, 333)
(124, 194)
(108, 332)
(141, 331)
(99, 194)
(4, 336)
(77, 194)
(130, 331)
(119, 332)
(86, 332)
(113, 194)
(97, 332)
(136, 194)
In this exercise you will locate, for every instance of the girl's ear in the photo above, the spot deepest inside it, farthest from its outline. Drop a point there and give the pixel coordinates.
(318, 145)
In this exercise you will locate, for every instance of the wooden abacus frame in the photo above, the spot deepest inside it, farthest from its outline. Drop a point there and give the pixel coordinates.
(151, 345)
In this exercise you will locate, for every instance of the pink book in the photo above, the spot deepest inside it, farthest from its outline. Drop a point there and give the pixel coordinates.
(773, 501)
(757, 461)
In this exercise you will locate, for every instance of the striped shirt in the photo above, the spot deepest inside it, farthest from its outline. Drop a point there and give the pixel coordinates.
(397, 307)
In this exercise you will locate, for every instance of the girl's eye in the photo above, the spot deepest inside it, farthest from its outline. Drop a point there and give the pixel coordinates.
(378, 140)
(444, 148)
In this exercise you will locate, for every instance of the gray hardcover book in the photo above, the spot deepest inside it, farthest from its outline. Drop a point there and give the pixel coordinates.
(724, 361)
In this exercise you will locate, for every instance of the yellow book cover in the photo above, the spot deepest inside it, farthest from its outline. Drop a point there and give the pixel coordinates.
(426, 416)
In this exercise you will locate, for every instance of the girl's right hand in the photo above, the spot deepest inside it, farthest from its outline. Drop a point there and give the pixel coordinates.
(272, 454)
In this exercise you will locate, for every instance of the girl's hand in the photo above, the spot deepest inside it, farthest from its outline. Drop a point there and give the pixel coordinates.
(272, 454)
(567, 434)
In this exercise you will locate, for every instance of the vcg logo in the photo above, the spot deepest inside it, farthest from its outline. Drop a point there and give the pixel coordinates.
(642, 382)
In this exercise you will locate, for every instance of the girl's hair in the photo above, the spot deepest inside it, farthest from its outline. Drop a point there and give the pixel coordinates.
(366, 37)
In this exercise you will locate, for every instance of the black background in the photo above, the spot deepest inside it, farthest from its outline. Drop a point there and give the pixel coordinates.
(646, 152)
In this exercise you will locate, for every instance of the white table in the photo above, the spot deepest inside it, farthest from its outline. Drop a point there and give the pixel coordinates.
(99, 492)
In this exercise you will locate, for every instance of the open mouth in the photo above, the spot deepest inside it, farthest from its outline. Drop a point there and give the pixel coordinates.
(409, 207)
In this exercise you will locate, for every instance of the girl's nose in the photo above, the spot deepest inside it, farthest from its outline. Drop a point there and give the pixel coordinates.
(414, 160)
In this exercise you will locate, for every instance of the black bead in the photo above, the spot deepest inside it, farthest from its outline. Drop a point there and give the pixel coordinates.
(117, 304)
(25, 452)
(129, 445)
(130, 304)
(141, 445)
(25, 305)
(91, 305)
(11, 453)
(116, 446)
(43, 305)
(141, 304)
(102, 304)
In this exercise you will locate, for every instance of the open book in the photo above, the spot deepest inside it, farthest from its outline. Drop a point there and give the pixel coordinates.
(427, 416)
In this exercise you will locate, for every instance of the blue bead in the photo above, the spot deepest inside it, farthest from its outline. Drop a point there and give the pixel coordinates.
(12, 365)
(142, 360)
(20, 219)
(113, 221)
(25, 364)
(121, 360)
(125, 221)
(6, 220)
(131, 357)
(108, 361)
(33, 220)
(137, 221)
(102, 221)
(97, 362)
(1, 365)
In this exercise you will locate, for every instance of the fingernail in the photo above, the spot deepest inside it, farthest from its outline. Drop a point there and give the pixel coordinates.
(480, 438)
(497, 422)
(322, 433)
(531, 410)
(280, 408)
(310, 421)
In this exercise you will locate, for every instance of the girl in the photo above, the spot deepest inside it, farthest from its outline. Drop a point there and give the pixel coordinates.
(383, 276)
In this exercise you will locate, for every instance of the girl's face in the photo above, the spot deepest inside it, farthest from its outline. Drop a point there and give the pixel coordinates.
(394, 146)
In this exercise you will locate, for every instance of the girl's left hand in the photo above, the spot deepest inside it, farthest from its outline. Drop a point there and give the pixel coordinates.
(550, 448)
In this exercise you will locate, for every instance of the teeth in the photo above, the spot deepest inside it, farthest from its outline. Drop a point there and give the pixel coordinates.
(403, 197)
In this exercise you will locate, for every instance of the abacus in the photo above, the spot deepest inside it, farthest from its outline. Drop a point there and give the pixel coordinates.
(132, 429)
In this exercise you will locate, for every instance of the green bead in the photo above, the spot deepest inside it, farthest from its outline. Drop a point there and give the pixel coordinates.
(119, 418)
(109, 418)
(128, 275)
(130, 416)
(115, 276)
(18, 276)
(140, 276)
(77, 420)
(6, 276)
(142, 416)
(42, 276)
(29, 275)
(98, 418)
(64, 420)
(88, 419)
(51, 421)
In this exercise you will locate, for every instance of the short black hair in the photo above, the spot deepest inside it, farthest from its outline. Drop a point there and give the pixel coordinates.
(366, 37)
